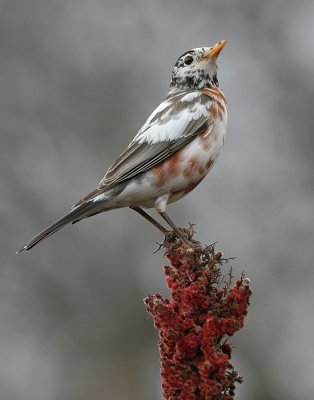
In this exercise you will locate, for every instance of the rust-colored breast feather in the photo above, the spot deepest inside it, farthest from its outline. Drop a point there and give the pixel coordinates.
(167, 169)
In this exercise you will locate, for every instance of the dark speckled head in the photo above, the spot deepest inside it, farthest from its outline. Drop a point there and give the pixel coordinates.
(197, 68)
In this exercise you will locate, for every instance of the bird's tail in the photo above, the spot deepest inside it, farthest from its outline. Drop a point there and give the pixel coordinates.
(79, 212)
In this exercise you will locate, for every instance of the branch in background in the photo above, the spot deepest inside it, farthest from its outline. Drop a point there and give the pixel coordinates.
(194, 324)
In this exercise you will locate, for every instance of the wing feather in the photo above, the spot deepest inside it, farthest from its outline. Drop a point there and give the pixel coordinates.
(174, 123)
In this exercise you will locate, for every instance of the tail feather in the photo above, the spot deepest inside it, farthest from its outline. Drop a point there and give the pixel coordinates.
(76, 214)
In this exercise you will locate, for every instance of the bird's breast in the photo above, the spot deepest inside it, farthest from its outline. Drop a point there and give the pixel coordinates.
(184, 170)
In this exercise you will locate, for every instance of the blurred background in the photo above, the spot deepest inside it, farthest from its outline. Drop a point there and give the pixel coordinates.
(77, 80)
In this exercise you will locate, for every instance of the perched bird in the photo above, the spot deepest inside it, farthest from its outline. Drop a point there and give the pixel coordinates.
(172, 152)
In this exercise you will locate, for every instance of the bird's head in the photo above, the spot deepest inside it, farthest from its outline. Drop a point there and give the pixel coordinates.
(197, 68)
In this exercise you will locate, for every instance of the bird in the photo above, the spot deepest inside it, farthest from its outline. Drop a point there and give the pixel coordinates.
(171, 153)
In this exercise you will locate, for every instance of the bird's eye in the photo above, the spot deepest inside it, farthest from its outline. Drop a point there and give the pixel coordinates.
(188, 60)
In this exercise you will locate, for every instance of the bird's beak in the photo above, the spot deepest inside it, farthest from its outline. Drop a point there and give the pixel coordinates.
(215, 50)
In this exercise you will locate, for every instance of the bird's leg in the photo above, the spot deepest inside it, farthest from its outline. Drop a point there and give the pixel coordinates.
(150, 219)
(160, 205)
(177, 230)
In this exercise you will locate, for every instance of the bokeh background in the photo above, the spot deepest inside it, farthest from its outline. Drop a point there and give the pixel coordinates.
(77, 80)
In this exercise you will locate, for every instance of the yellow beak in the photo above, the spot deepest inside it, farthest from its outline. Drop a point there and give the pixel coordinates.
(215, 50)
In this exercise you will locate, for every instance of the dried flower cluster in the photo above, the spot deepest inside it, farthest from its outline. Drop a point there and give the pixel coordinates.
(194, 323)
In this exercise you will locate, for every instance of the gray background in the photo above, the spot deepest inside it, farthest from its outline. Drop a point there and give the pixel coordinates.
(77, 80)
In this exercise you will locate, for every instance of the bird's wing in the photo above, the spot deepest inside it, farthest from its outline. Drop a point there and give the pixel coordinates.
(173, 124)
